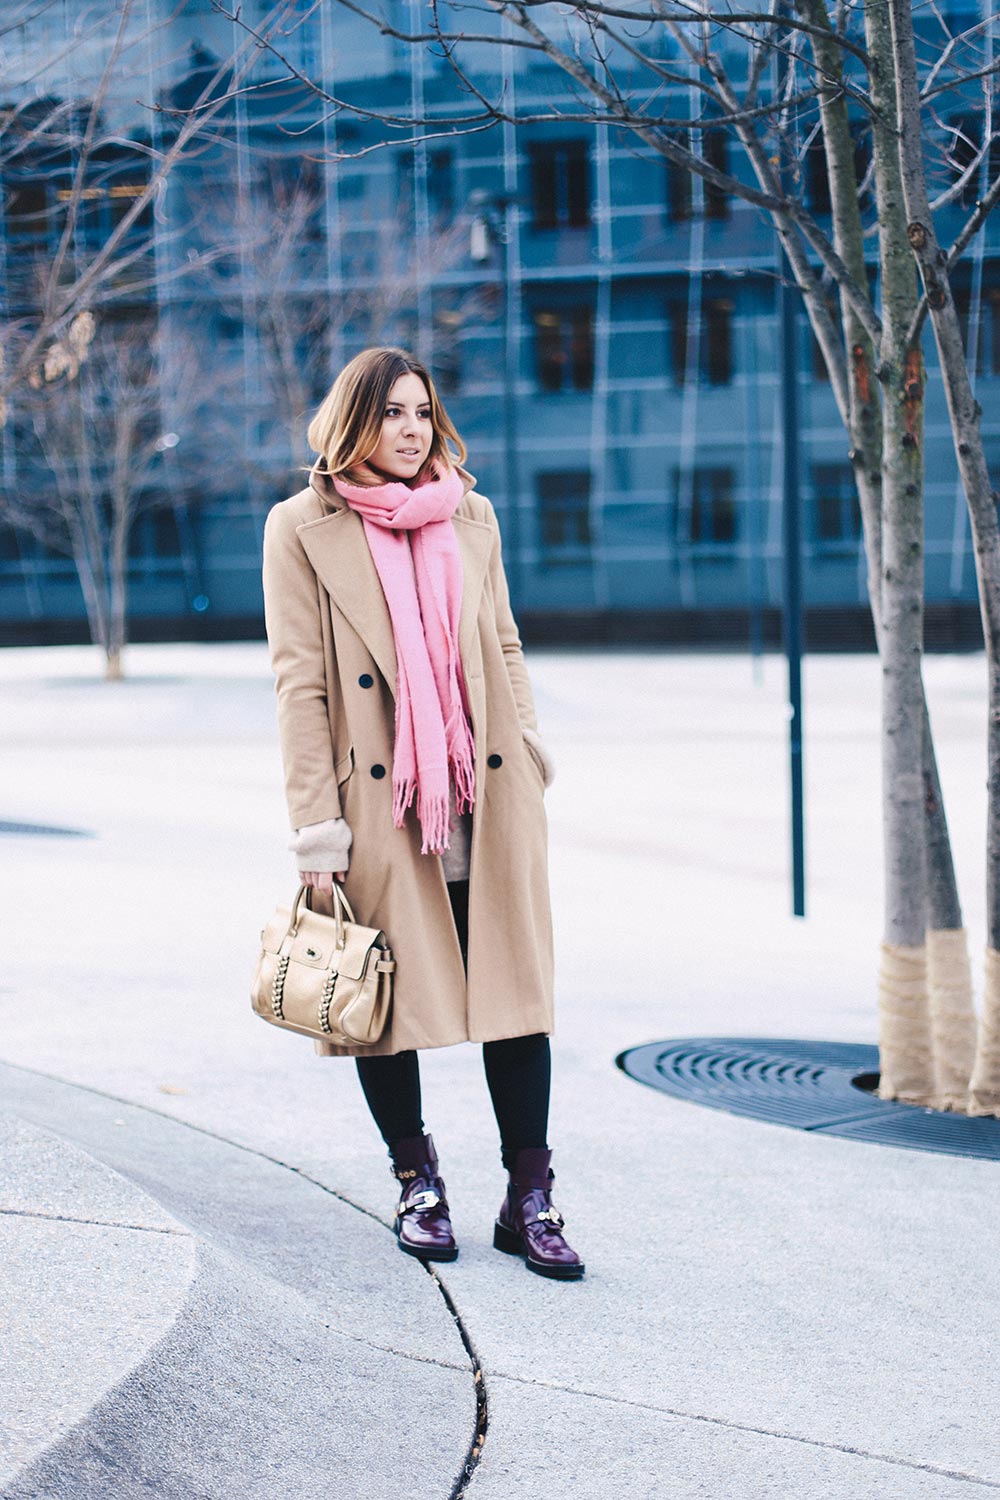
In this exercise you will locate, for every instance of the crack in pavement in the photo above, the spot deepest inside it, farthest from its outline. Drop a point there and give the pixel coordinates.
(728, 1422)
(475, 1450)
(38, 1213)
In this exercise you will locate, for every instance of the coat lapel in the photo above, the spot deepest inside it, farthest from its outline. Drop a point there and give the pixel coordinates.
(337, 548)
(474, 543)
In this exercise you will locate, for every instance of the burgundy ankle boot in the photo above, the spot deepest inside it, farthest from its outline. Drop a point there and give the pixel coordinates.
(528, 1224)
(422, 1225)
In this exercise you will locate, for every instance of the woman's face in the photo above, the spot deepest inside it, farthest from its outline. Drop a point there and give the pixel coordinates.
(406, 430)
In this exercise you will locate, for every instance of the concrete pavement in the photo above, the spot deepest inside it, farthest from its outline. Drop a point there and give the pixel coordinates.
(765, 1312)
(94, 1276)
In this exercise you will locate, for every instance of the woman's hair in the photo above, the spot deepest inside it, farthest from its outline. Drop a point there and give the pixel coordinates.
(346, 429)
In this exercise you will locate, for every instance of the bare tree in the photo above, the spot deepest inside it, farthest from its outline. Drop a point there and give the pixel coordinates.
(94, 427)
(632, 65)
(63, 162)
(269, 273)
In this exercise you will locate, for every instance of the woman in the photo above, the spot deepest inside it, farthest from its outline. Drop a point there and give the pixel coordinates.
(415, 774)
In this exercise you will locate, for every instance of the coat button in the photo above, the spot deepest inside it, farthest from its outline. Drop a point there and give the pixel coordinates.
(494, 761)
(378, 772)
(365, 680)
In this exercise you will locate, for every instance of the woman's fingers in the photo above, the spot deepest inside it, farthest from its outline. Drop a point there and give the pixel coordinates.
(322, 880)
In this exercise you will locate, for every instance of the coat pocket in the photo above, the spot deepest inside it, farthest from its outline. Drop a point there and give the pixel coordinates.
(344, 767)
(536, 763)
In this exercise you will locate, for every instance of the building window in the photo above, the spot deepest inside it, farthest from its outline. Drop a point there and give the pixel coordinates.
(817, 178)
(715, 341)
(447, 358)
(987, 361)
(27, 210)
(292, 189)
(564, 514)
(560, 185)
(679, 185)
(155, 536)
(10, 545)
(715, 146)
(965, 138)
(718, 351)
(836, 513)
(564, 348)
(405, 178)
(706, 506)
(992, 328)
(441, 185)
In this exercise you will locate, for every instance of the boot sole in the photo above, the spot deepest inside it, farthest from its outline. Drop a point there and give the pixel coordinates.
(509, 1243)
(435, 1255)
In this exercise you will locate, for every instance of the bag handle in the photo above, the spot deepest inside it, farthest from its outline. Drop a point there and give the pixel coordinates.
(341, 908)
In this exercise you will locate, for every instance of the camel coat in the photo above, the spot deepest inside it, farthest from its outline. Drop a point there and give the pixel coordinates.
(334, 660)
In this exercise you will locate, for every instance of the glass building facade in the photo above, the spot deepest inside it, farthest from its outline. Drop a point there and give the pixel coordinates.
(603, 329)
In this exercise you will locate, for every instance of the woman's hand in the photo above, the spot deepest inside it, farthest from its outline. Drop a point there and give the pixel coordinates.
(322, 880)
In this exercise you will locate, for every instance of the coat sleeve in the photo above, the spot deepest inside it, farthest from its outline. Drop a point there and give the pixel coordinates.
(293, 616)
(510, 640)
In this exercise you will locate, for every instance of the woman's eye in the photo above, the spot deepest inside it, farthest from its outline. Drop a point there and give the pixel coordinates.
(392, 411)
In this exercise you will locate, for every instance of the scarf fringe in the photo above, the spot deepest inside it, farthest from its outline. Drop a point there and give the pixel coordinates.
(402, 796)
(464, 775)
(432, 812)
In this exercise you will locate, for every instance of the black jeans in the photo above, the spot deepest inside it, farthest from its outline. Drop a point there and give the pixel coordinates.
(518, 1074)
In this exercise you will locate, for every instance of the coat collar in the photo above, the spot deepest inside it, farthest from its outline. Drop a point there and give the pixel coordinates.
(337, 548)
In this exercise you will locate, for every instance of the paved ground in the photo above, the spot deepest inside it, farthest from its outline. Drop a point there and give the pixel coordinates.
(765, 1312)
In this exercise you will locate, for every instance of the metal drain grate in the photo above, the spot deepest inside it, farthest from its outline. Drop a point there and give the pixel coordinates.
(806, 1085)
(44, 830)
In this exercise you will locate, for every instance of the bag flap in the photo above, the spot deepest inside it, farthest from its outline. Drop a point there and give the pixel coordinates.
(359, 943)
(313, 944)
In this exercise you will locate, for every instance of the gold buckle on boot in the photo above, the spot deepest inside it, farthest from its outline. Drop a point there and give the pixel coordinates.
(551, 1216)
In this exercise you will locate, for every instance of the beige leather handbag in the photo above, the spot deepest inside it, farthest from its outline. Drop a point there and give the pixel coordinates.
(325, 977)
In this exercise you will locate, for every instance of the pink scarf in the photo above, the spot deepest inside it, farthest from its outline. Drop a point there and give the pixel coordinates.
(415, 552)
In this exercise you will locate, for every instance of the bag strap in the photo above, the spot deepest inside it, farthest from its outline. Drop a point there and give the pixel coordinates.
(341, 909)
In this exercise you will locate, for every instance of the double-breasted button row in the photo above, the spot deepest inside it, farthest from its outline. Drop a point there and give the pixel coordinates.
(493, 761)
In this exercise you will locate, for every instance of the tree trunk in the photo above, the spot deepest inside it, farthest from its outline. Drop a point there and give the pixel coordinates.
(122, 508)
(953, 1018)
(906, 1052)
(964, 412)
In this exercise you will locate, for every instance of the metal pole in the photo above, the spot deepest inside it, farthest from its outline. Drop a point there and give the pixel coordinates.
(792, 592)
(510, 354)
(791, 515)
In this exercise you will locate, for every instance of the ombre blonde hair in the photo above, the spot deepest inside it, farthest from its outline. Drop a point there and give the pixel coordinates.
(348, 425)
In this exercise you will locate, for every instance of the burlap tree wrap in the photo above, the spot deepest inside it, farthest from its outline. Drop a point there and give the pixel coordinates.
(953, 1017)
(984, 1089)
(905, 1050)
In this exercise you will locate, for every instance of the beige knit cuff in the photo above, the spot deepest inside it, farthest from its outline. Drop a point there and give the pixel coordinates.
(322, 846)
